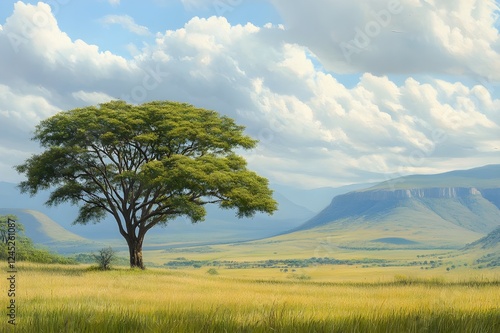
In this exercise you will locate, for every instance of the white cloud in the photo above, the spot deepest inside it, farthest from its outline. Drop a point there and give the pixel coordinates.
(18, 110)
(92, 98)
(398, 36)
(125, 22)
(313, 130)
(19, 113)
(300, 113)
(114, 2)
(43, 72)
(39, 45)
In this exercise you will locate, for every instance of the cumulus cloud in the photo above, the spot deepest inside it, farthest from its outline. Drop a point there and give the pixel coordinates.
(376, 128)
(125, 22)
(22, 111)
(313, 130)
(92, 98)
(302, 114)
(35, 50)
(398, 36)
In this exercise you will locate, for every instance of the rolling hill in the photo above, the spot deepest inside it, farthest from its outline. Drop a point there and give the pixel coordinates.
(219, 226)
(44, 231)
(443, 211)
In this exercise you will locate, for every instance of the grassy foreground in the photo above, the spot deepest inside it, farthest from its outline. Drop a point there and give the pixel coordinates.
(57, 298)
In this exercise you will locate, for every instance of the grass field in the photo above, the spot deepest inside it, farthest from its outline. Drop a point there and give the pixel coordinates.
(57, 298)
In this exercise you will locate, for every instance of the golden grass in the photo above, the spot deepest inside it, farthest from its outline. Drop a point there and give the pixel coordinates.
(60, 298)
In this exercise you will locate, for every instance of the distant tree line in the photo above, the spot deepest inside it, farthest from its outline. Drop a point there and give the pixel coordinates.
(271, 263)
(488, 261)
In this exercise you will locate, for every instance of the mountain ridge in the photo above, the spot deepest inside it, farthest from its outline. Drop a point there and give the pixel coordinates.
(464, 203)
(447, 213)
(219, 225)
(487, 176)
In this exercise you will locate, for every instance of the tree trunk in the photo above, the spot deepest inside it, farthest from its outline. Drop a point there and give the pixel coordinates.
(135, 251)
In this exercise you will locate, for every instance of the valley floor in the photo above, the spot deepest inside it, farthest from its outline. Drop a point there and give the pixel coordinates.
(326, 298)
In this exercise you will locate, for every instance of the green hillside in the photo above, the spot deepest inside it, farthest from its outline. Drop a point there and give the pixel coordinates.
(411, 225)
(485, 252)
(425, 211)
(44, 231)
(418, 215)
(219, 226)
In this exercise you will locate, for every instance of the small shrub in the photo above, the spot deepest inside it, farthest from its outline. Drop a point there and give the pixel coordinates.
(105, 258)
(212, 271)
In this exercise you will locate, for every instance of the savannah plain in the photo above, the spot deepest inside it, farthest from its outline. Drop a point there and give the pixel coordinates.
(213, 289)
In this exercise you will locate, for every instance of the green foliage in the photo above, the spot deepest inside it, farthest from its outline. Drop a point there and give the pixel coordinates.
(145, 165)
(178, 152)
(89, 258)
(29, 252)
(212, 271)
(4, 227)
(104, 258)
(489, 260)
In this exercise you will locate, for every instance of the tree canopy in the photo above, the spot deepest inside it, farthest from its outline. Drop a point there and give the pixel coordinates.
(145, 165)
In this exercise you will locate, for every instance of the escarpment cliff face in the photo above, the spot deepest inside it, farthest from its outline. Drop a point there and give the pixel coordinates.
(440, 211)
(438, 192)
(472, 208)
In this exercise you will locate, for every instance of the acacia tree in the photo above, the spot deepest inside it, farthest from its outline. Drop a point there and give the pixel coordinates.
(145, 165)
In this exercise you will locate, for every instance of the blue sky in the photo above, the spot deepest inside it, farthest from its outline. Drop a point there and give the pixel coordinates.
(337, 92)
(84, 19)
